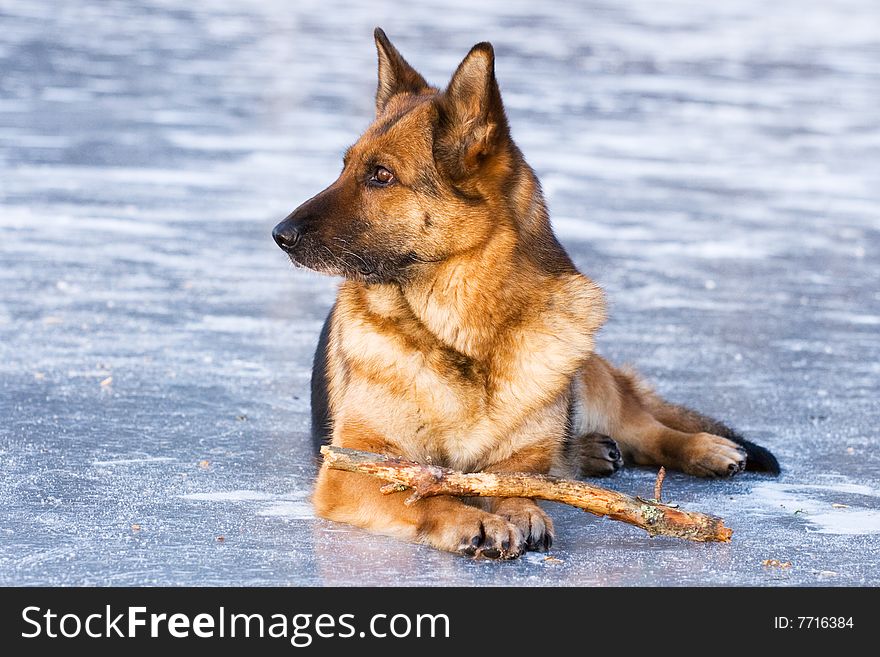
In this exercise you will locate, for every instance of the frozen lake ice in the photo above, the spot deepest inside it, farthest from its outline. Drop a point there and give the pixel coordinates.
(716, 168)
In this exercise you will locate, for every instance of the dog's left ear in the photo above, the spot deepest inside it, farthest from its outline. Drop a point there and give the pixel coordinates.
(472, 121)
(396, 76)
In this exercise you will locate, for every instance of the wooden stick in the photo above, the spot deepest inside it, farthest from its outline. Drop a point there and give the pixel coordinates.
(428, 480)
(658, 485)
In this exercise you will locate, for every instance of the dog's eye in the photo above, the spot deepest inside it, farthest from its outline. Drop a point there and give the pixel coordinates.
(382, 176)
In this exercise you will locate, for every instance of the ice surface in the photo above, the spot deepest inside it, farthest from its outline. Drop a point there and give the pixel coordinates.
(715, 166)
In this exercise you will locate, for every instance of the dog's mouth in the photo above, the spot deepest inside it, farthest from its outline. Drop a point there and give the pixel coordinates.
(344, 261)
(322, 259)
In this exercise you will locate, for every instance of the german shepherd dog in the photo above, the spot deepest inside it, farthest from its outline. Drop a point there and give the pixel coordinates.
(462, 334)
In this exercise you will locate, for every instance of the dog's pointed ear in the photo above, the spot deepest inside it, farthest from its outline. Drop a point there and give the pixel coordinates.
(396, 76)
(472, 114)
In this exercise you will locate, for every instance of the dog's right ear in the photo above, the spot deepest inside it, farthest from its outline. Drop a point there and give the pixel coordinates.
(473, 125)
(396, 76)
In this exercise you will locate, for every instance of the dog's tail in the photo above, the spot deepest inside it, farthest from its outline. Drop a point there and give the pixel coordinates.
(686, 419)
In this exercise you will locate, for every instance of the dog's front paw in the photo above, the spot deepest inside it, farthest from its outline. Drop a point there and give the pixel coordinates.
(478, 533)
(530, 519)
(708, 455)
(494, 538)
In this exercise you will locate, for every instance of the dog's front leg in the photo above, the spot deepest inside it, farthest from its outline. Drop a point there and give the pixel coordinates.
(531, 520)
(443, 522)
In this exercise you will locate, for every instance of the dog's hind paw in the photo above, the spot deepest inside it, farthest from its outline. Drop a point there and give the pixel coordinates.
(708, 455)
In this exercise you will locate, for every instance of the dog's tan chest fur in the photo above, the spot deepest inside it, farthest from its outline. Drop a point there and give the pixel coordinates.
(448, 407)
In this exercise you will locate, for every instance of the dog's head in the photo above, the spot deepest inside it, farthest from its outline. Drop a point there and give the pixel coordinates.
(422, 184)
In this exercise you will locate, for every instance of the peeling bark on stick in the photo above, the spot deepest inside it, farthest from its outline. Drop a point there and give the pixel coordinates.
(428, 480)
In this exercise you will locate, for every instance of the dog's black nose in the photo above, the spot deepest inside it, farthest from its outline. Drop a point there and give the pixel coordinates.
(285, 235)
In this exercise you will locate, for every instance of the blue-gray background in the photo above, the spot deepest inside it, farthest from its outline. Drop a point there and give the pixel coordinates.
(713, 165)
